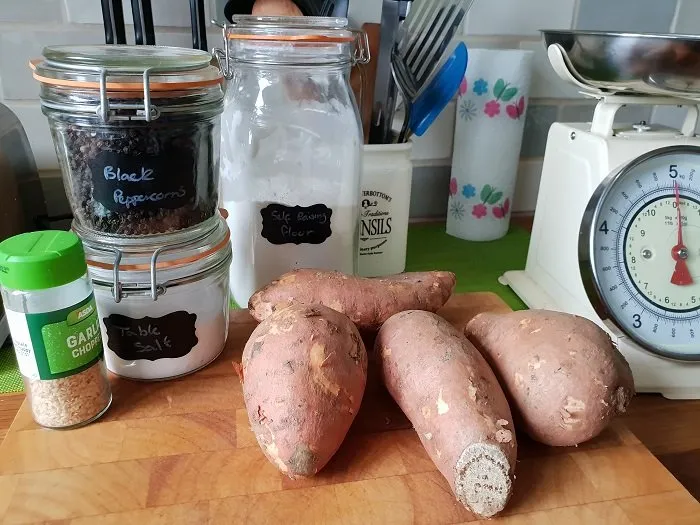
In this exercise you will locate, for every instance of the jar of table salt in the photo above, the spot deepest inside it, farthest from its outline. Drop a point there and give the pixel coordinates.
(136, 131)
(163, 301)
(53, 320)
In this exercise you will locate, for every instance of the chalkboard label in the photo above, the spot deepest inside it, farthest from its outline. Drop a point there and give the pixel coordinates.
(151, 338)
(296, 225)
(123, 182)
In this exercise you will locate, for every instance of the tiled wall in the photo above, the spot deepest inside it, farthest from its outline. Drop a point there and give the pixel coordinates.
(27, 25)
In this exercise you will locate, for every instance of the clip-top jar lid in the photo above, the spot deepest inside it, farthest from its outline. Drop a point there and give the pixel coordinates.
(291, 29)
(126, 68)
(149, 265)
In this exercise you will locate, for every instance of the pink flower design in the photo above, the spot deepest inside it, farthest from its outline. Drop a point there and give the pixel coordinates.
(453, 187)
(501, 212)
(463, 87)
(492, 108)
(480, 211)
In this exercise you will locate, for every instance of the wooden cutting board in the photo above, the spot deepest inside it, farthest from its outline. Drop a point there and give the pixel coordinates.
(182, 452)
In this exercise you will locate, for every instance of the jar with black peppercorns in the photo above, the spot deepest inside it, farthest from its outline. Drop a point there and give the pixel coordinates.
(136, 130)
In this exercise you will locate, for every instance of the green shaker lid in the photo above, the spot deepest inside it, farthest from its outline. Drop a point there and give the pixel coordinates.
(40, 260)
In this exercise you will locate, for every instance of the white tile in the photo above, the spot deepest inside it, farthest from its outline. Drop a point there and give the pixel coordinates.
(31, 11)
(437, 142)
(687, 20)
(37, 128)
(545, 82)
(362, 11)
(528, 186)
(165, 12)
(18, 47)
(518, 17)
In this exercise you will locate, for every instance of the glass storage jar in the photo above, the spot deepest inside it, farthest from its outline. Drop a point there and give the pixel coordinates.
(137, 134)
(291, 147)
(163, 302)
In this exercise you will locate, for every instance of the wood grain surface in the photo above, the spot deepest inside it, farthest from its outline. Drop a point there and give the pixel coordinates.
(182, 452)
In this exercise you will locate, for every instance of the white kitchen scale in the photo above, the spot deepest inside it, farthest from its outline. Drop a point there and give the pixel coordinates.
(616, 237)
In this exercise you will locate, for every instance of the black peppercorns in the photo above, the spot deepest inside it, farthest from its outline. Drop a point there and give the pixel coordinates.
(140, 178)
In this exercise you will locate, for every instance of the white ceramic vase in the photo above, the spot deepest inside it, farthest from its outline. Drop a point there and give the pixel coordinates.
(491, 111)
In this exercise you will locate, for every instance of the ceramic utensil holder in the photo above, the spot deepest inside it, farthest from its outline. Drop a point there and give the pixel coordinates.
(491, 111)
(387, 174)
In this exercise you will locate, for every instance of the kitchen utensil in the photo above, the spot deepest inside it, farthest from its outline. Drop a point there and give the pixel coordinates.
(199, 25)
(489, 126)
(144, 33)
(422, 39)
(385, 91)
(22, 203)
(365, 92)
(616, 236)
(422, 109)
(428, 30)
(199, 462)
(637, 63)
(113, 18)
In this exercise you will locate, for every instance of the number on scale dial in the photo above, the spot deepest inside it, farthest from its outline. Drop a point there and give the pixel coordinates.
(644, 247)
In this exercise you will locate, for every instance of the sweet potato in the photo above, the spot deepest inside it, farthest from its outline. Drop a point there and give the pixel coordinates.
(304, 372)
(452, 398)
(367, 302)
(564, 378)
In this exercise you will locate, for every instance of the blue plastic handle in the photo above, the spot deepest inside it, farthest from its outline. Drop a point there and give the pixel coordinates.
(435, 97)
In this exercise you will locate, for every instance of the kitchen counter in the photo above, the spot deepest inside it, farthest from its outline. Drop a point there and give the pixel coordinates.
(669, 429)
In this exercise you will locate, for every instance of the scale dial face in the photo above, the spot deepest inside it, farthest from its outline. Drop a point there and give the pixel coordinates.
(640, 251)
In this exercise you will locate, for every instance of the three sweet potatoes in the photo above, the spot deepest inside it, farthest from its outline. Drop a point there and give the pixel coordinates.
(304, 371)
(565, 379)
(454, 401)
(367, 302)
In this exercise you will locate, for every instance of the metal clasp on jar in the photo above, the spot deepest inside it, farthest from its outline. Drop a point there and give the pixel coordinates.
(112, 111)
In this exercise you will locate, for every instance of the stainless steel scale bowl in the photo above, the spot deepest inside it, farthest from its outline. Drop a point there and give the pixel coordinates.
(647, 64)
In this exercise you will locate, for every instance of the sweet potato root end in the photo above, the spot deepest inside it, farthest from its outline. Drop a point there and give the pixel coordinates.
(482, 481)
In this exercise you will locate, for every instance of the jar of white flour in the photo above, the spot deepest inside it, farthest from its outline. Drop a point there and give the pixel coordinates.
(291, 148)
(163, 304)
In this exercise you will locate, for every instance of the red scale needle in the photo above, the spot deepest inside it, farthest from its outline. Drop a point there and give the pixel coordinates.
(681, 276)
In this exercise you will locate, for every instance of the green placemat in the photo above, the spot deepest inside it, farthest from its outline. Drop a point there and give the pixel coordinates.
(10, 379)
(478, 265)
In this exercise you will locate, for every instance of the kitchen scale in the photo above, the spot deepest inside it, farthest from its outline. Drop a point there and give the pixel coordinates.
(616, 237)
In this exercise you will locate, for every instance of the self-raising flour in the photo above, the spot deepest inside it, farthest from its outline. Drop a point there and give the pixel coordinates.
(291, 187)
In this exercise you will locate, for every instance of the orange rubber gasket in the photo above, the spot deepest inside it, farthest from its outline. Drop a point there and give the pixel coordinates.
(294, 38)
(122, 86)
(164, 264)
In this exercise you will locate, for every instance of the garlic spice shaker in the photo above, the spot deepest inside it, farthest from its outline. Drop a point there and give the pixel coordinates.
(54, 324)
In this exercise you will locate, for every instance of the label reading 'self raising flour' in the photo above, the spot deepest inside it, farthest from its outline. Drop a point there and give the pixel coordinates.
(57, 344)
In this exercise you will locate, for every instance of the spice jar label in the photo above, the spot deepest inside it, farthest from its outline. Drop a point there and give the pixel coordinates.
(169, 337)
(296, 225)
(57, 344)
(123, 182)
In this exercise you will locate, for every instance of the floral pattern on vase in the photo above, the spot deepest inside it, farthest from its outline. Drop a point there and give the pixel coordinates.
(490, 198)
